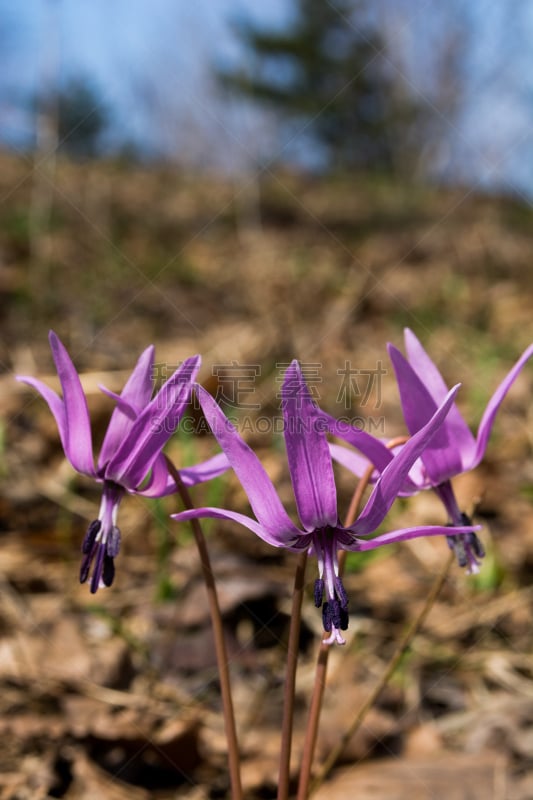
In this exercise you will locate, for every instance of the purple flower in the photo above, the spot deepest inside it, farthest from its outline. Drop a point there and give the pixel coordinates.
(451, 451)
(454, 449)
(130, 459)
(314, 488)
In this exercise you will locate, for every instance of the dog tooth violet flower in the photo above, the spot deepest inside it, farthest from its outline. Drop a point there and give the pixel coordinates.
(130, 459)
(315, 492)
(451, 451)
(454, 449)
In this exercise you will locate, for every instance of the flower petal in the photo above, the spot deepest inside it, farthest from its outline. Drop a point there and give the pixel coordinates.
(487, 420)
(161, 482)
(55, 404)
(152, 429)
(205, 470)
(71, 414)
(403, 534)
(393, 477)
(423, 365)
(130, 411)
(358, 465)
(308, 454)
(135, 395)
(297, 542)
(77, 441)
(443, 457)
(427, 371)
(373, 449)
(265, 503)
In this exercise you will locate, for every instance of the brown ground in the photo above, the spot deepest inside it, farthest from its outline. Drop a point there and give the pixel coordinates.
(115, 696)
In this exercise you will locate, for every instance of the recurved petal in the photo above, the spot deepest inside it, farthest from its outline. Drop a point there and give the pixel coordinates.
(151, 430)
(169, 395)
(418, 476)
(134, 397)
(394, 476)
(308, 454)
(424, 366)
(443, 456)
(296, 541)
(487, 420)
(402, 535)
(358, 465)
(139, 387)
(124, 406)
(55, 405)
(162, 483)
(373, 449)
(428, 372)
(205, 470)
(78, 440)
(266, 505)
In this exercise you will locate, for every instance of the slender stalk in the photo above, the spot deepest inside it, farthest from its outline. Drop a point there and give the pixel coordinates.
(402, 646)
(311, 731)
(218, 634)
(290, 678)
(313, 719)
(315, 707)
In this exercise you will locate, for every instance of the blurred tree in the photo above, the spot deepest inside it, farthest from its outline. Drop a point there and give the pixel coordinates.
(71, 119)
(329, 73)
(81, 118)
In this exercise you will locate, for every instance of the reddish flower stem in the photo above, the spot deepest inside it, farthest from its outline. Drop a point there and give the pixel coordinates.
(290, 678)
(319, 685)
(220, 644)
(401, 647)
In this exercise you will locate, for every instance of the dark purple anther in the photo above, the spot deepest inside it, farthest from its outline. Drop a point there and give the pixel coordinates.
(85, 567)
(108, 573)
(466, 546)
(470, 539)
(113, 543)
(344, 619)
(90, 536)
(339, 616)
(476, 545)
(336, 613)
(457, 544)
(341, 594)
(319, 592)
(98, 567)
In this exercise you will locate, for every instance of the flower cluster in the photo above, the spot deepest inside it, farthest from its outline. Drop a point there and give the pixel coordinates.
(439, 446)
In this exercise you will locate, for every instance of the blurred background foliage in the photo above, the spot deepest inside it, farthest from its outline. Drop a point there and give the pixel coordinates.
(326, 72)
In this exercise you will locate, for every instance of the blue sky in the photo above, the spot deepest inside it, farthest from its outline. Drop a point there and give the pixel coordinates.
(126, 48)
(151, 62)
